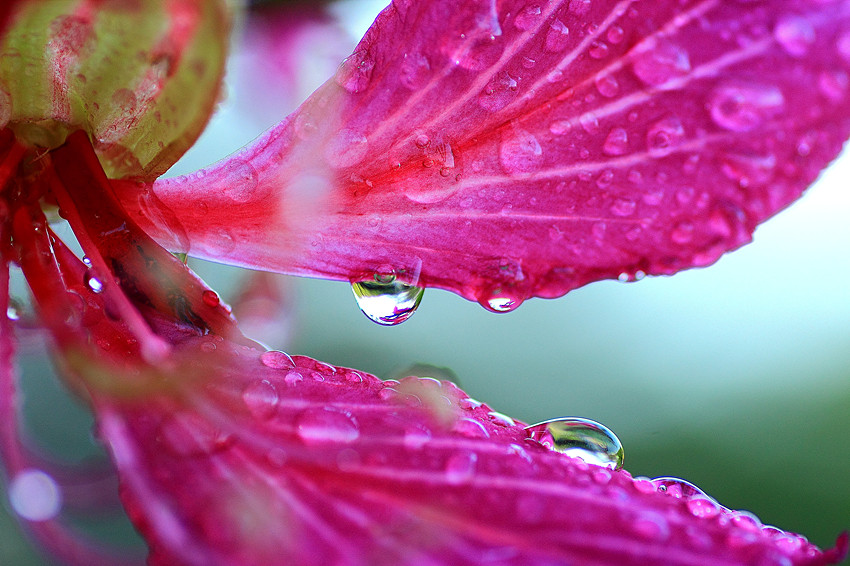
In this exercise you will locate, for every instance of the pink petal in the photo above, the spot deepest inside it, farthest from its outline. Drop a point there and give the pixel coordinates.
(259, 458)
(515, 150)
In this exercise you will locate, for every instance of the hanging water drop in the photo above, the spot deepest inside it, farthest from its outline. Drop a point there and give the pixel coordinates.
(386, 300)
(580, 438)
(94, 284)
(677, 488)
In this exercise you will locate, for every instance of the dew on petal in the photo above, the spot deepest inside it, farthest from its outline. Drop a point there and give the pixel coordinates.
(276, 359)
(327, 426)
(677, 488)
(616, 143)
(703, 507)
(520, 152)
(580, 438)
(261, 399)
(528, 18)
(210, 298)
(387, 303)
(35, 496)
(660, 63)
(742, 107)
(664, 136)
(557, 36)
(795, 34)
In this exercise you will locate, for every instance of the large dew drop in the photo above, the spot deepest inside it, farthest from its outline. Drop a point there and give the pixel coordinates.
(386, 300)
(580, 438)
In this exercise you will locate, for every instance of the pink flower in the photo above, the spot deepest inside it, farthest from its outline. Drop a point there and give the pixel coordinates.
(499, 150)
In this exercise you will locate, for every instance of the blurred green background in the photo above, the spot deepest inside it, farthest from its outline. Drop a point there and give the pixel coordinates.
(735, 377)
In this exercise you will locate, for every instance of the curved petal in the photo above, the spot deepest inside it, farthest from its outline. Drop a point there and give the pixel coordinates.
(259, 458)
(504, 151)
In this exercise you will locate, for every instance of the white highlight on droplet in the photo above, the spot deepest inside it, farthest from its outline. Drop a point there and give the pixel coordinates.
(35, 496)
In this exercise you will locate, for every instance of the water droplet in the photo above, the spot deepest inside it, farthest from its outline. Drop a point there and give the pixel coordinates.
(387, 303)
(623, 207)
(327, 425)
(579, 7)
(414, 71)
(93, 282)
(35, 496)
(210, 298)
(598, 49)
(660, 63)
(501, 301)
(615, 34)
(560, 127)
(703, 507)
(261, 398)
(528, 18)
(276, 359)
(589, 122)
(520, 152)
(664, 136)
(795, 34)
(355, 72)
(617, 142)
(501, 419)
(607, 86)
(742, 107)
(683, 233)
(471, 428)
(678, 488)
(461, 467)
(581, 438)
(557, 36)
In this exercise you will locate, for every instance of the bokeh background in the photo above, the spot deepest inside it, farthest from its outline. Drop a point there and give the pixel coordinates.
(735, 377)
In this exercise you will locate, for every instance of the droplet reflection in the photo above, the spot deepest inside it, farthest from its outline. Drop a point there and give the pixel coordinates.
(386, 300)
(580, 438)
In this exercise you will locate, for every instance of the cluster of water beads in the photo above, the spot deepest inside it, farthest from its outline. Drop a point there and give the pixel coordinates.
(588, 440)
(385, 299)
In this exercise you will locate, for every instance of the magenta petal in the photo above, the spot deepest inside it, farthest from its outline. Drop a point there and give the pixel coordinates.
(259, 458)
(508, 150)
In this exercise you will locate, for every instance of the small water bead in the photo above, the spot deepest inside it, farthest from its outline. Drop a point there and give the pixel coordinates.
(276, 359)
(520, 152)
(35, 496)
(261, 399)
(607, 86)
(501, 419)
(528, 18)
(385, 300)
(598, 50)
(326, 426)
(664, 136)
(93, 282)
(580, 438)
(741, 107)
(617, 142)
(470, 428)
(660, 63)
(615, 34)
(623, 207)
(677, 488)
(501, 302)
(703, 507)
(557, 37)
(795, 34)
(211, 298)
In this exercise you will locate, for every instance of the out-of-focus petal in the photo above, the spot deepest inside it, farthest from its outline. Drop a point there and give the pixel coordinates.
(519, 149)
(258, 458)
